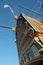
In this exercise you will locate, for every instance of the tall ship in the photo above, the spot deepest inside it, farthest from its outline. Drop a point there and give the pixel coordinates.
(29, 40)
(29, 37)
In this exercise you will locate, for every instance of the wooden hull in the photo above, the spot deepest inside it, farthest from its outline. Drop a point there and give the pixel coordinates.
(37, 61)
(40, 62)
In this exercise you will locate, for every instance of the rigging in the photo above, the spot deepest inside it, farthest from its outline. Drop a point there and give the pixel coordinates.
(31, 10)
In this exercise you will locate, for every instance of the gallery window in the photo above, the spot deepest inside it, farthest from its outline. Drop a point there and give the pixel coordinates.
(30, 54)
(35, 51)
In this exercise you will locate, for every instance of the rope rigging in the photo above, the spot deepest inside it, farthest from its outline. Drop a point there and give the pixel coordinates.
(31, 10)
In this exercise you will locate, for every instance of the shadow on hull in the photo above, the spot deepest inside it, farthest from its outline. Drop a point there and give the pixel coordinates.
(37, 63)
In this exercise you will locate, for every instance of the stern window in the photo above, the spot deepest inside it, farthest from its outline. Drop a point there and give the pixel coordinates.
(35, 51)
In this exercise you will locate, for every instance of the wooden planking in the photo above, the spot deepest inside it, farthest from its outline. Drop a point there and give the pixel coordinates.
(34, 23)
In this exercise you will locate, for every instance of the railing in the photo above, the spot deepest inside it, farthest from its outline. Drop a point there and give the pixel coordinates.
(34, 60)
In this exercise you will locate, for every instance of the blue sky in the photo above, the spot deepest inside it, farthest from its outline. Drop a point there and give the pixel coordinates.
(8, 48)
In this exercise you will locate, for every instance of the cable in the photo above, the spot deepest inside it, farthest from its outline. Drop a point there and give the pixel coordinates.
(30, 10)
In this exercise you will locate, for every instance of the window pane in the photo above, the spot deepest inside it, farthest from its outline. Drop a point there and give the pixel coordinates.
(30, 54)
(35, 50)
